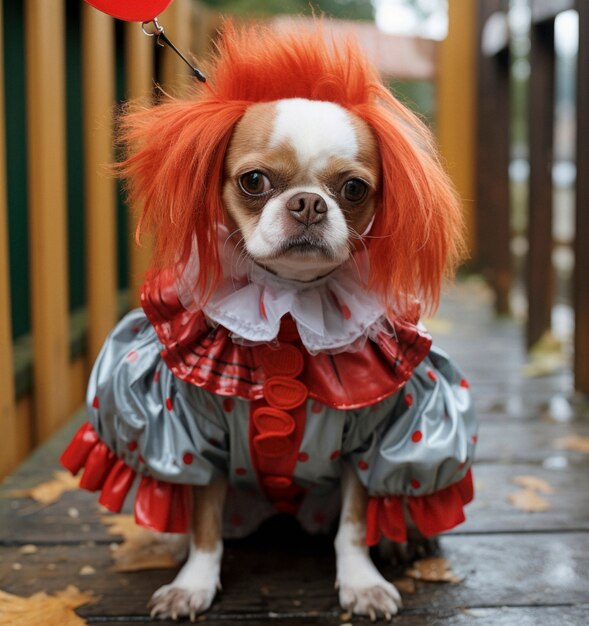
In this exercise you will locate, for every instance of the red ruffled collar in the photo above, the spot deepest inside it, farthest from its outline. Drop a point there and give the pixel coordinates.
(207, 357)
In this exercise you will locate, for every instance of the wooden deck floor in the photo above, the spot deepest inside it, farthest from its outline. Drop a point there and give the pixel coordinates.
(516, 567)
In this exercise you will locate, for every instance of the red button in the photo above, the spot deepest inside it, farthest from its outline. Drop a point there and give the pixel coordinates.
(285, 393)
(277, 482)
(270, 445)
(284, 361)
(303, 457)
(273, 421)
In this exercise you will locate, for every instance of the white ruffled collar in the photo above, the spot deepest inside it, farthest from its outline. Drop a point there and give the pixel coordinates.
(333, 314)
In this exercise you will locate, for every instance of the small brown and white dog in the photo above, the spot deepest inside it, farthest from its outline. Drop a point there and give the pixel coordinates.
(297, 149)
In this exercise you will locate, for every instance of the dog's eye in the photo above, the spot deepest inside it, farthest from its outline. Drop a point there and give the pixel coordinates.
(355, 190)
(255, 183)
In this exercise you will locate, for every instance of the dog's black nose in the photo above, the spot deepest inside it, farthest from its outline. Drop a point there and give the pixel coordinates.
(307, 208)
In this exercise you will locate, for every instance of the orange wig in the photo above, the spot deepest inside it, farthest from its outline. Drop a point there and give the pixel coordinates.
(174, 165)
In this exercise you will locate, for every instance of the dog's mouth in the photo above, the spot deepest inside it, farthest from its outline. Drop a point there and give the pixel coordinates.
(305, 245)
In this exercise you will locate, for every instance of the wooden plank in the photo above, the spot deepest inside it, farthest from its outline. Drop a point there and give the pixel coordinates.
(456, 97)
(581, 276)
(295, 578)
(45, 40)
(98, 97)
(139, 77)
(540, 273)
(493, 232)
(9, 448)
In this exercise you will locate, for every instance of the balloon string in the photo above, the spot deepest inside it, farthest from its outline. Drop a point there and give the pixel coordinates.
(158, 33)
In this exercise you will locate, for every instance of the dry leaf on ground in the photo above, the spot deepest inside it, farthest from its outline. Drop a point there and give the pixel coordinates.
(534, 483)
(40, 608)
(547, 356)
(141, 548)
(405, 584)
(575, 443)
(528, 501)
(50, 491)
(434, 569)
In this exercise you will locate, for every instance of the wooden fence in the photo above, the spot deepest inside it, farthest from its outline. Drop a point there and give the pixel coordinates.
(42, 379)
(494, 115)
(79, 63)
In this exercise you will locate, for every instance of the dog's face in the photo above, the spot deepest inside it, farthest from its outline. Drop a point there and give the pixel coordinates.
(301, 181)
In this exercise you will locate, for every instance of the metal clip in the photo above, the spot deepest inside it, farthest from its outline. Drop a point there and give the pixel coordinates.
(157, 31)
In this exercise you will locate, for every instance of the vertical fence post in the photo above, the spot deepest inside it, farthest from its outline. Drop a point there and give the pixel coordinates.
(456, 104)
(45, 40)
(98, 97)
(492, 161)
(8, 426)
(581, 276)
(540, 274)
(139, 77)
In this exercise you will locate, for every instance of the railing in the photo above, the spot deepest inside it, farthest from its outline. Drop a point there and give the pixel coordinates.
(54, 379)
(494, 115)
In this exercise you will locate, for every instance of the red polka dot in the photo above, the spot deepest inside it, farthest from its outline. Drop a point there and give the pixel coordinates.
(432, 375)
(474, 438)
(214, 442)
(228, 404)
(156, 376)
(303, 457)
(169, 404)
(240, 471)
(408, 400)
(135, 329)
(187, 458)
(236, 520)
(140, 459)
(132, 356)
(363, 465)
(316, 407)
(132, 446)
(346, 312)
(335, 455)
(95, 402)
(464, 383)
(417, 436)
(415, 484)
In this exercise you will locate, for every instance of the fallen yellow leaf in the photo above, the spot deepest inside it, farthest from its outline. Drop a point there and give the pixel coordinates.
(433, 569)
(141, 548)
(405, 584)
(528, 501)
(50, 491)
(40, 608)
(575, 443)
(534, 483)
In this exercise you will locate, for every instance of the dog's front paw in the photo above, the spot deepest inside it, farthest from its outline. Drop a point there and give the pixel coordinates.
(171, 601)
(364, 591)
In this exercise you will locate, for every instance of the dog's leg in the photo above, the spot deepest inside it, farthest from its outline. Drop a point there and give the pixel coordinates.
(193, 589)
(362, 589)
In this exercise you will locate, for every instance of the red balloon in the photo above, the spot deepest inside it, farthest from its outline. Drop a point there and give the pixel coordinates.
(131, 10)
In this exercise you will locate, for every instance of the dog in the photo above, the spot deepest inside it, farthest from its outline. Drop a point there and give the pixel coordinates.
(301, 222)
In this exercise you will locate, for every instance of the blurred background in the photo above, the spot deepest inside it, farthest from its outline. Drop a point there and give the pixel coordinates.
(501, 82)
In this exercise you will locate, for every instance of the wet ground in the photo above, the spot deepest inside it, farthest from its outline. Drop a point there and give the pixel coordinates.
(509, 565)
